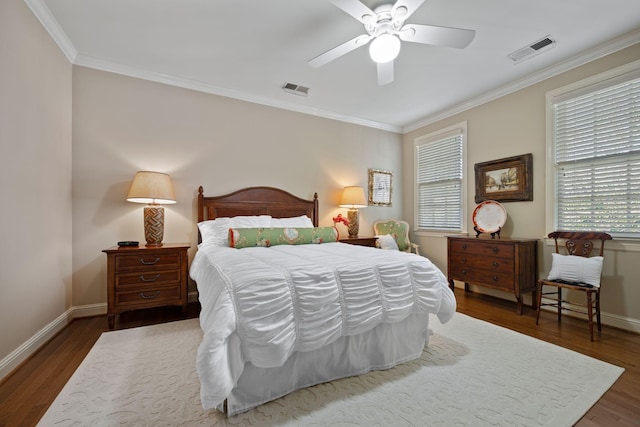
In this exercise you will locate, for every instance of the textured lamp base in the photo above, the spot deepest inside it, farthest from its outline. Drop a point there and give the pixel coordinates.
(353, 228)
(154, 225)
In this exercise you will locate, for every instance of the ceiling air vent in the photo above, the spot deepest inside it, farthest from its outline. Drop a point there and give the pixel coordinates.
(532, 50)
(296, 89)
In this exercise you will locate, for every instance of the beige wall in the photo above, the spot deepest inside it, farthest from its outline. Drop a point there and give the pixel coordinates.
(514, 125)
(122, 124)
(35, 181)
(54, 268)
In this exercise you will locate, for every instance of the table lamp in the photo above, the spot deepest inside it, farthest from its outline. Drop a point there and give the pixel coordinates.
(353, 198)
(155, 189)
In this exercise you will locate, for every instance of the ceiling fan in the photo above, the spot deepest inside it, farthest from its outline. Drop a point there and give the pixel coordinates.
(385, 29)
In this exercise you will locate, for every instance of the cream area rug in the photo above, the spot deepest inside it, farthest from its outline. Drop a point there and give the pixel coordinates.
(472, 373)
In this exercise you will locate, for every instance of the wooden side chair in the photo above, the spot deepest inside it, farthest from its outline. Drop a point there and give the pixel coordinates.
(576, 271)
(397, 229)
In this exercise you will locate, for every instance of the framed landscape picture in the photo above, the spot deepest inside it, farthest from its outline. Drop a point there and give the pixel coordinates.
(505, 180)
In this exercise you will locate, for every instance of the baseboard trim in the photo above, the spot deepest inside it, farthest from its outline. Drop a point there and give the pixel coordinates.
(614, 320)
(620, 322)
(33, 344)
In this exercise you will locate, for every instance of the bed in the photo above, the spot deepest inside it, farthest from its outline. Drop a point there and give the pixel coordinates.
(278, 317)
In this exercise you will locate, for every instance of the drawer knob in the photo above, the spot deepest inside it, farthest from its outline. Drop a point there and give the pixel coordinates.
(153, 279)
(142, 261)
(463, 272)
(495, 264)
(495, 278)
(495, 250)
(145, 296)
(464, 246)
(464, 259)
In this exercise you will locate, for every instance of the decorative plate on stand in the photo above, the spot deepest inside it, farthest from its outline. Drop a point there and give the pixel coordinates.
(489, 217)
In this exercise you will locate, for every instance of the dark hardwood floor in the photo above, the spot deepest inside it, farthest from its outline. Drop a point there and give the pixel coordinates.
(27, 393)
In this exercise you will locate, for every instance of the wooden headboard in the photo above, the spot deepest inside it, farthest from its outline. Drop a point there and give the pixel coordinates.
(256, 201)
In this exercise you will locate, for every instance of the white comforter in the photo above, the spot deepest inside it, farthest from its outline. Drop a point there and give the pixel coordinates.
(260, 305)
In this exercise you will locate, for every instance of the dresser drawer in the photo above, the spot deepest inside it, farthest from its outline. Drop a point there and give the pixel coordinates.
(500, 279)
(482, 249)
(154, 261)
(485, 262)
(153, 278)
(149, 297)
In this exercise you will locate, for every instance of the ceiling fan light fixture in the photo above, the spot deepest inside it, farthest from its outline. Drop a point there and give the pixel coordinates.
(384, 48)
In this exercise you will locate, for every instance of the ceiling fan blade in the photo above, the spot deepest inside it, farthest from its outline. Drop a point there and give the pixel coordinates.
(385, 73)
(438, 36)
(338, 51)
(409, 6)
(356, 9)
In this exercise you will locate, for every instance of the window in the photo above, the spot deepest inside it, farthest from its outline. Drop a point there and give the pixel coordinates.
(595, 147)
(439, 175)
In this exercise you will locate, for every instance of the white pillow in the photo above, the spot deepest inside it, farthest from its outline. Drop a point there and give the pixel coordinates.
(386, 241)
(216, 231)
(574, 268)
(301, 221)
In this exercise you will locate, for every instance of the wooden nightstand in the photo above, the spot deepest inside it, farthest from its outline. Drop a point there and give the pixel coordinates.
(361, 241)
(143, 277)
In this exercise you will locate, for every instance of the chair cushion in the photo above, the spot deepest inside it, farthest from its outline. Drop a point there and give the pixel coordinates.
(399, 231)
(576, 269)
(386, 241)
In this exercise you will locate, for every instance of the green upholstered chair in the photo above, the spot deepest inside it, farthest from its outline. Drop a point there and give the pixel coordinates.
(399, 230)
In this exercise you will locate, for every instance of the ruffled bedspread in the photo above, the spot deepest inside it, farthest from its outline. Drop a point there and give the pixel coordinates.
(260, 305)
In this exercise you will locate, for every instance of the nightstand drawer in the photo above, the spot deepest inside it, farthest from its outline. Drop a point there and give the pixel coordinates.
(147, 278)
(153, 296)
(147, 260)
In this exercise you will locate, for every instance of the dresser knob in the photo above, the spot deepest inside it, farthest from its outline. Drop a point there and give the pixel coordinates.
(495, 278)
(464, 246)
(463, 272)
(495, 250)
(495, 264)
(464, 259)
(142, 261)
(145, 296)
(144, 279)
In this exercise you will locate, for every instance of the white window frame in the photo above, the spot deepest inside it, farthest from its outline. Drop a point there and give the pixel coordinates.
(459, 128)
(609, 78)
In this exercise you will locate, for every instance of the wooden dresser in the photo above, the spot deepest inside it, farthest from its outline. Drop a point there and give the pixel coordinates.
(143, 277)
(506, 264)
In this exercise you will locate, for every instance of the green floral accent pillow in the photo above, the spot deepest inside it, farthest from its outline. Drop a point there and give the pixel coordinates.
(398, 231)
(250, 237)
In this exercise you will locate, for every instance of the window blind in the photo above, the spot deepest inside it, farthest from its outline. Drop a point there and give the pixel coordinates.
(597, 160)
(439, 184)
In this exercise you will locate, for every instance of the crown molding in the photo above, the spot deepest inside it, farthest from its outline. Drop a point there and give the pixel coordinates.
(44, 15)
(561, 67)
(113, 67)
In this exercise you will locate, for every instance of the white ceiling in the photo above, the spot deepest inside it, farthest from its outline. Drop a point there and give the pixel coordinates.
(248, 49)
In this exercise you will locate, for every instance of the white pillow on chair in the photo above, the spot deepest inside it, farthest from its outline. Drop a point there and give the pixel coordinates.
(574, 268)
(387, 241)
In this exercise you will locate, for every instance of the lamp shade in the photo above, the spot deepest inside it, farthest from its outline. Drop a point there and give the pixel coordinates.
(151, 187)
(353, 197)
